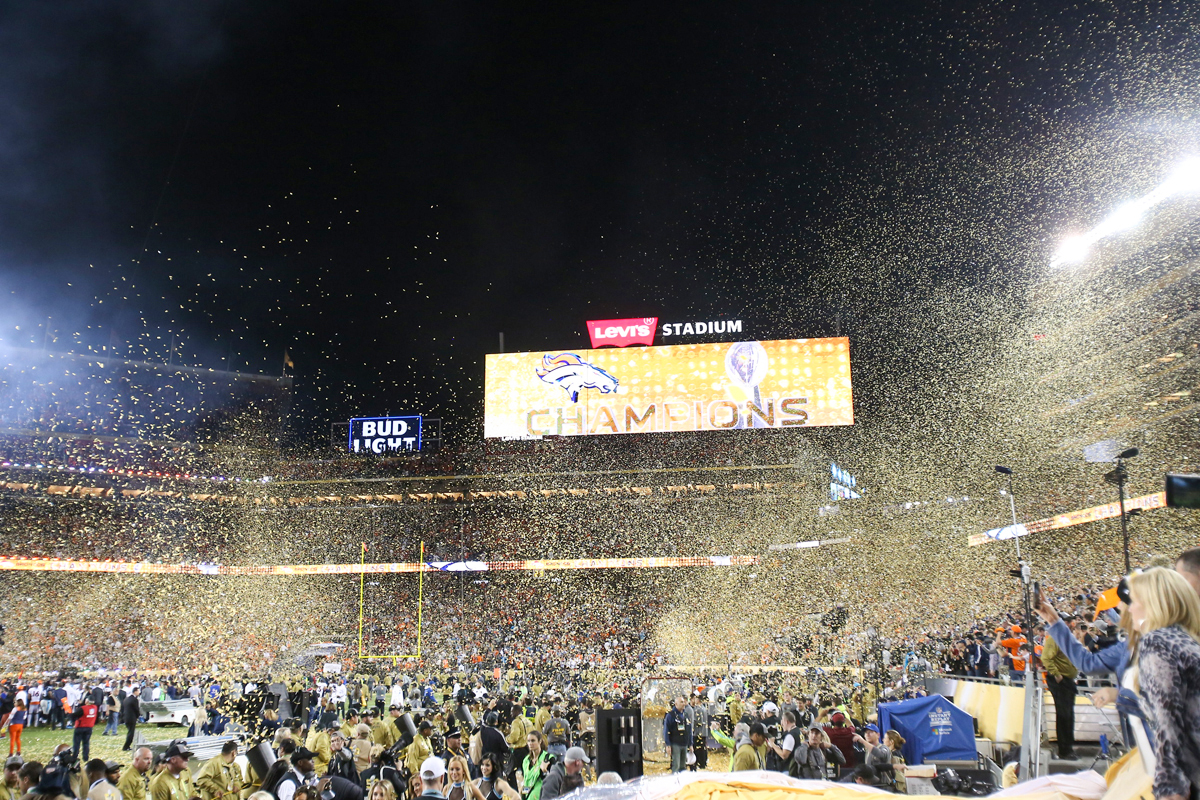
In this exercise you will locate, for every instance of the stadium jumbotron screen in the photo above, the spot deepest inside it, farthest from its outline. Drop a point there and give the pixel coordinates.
(690, 387)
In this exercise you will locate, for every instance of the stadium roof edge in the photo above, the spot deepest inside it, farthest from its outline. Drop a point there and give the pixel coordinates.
(285, 380)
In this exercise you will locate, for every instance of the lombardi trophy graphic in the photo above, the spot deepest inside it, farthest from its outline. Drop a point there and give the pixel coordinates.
(746, 365)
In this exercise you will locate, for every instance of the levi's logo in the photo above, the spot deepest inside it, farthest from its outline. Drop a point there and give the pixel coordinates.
(622, 332)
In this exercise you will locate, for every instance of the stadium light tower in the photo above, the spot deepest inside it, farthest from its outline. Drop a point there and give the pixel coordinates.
(1183, 181)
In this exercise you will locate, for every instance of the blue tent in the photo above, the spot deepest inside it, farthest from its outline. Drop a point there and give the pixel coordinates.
(933, 728)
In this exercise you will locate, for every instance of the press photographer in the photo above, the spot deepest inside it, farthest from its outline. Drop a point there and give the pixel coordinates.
(58, 776)
(784, 744)
(814, 756)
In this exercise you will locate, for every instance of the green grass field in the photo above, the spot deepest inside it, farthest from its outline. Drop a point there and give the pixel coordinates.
(37, 744)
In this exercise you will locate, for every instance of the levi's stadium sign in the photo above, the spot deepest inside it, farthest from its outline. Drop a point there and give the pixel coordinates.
(640, 330)
(622, 332)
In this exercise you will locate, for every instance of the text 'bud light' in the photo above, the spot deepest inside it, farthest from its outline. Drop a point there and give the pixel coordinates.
(385, 434)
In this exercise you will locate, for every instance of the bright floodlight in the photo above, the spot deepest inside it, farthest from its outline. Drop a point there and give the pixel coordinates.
(1184, 180)
(1124, 217)
(1073, 250)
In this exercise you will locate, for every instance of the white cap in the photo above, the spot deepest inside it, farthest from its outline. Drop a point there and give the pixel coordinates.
(769, 706)
(432, 767)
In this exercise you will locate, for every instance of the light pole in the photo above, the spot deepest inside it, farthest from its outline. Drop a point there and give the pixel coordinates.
(1119, 476)
(1031, 729)
(1012, 504)
(876, 662)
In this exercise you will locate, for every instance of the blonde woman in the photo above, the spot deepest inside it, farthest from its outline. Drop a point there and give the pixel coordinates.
(459, 785)
(382, 790)
(895, 742)
(1165, 612)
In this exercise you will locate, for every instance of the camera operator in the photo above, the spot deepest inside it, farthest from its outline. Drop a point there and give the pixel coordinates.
(383, 768)
(54, 782)
(341, 758)
(784, 745)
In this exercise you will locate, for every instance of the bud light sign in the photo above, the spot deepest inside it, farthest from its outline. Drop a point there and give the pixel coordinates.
(385, 434)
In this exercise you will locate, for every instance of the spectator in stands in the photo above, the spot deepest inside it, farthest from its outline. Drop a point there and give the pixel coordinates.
(1165, 611)
(1188, 565)
(1013, 643)
(976, 658)
(1060, 679)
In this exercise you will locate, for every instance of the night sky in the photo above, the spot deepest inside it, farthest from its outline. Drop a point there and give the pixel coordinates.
(381, 188)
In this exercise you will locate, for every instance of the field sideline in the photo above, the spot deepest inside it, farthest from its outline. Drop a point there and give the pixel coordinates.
(37, 744)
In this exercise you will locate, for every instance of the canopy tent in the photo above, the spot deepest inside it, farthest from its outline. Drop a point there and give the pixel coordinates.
(934, 729)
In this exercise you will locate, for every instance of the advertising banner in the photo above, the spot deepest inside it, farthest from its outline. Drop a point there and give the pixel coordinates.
(385, 434)
(538, 565)
(1069, 519)
(622, 332)
(690, 387)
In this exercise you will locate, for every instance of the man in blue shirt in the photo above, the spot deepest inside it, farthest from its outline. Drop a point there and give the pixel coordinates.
(677, 734)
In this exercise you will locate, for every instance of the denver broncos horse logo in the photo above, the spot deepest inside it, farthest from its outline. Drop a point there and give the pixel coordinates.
(573, 374)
